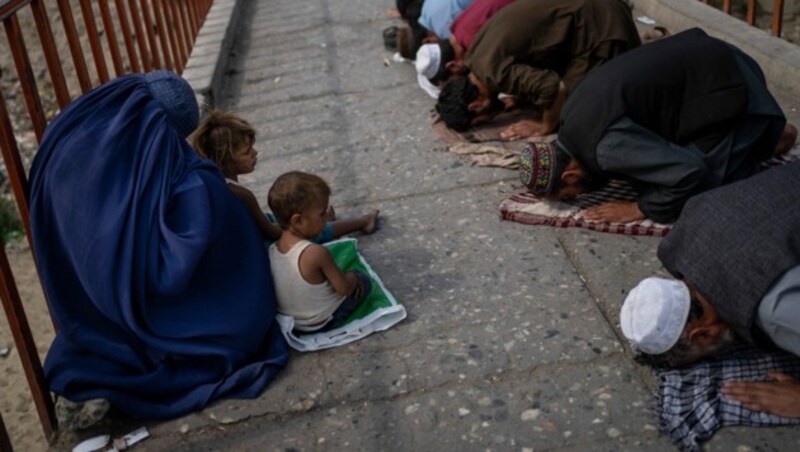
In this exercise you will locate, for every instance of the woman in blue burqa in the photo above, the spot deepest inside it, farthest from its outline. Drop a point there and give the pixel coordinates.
(155, 273)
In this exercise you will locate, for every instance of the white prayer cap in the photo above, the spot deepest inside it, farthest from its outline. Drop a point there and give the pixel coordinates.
(429, 56)
(654, 314)
(428, 87)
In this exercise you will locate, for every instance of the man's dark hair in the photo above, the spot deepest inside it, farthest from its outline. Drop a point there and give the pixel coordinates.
(447, 55)
(409, 10)
(453, 103)
(590, 181)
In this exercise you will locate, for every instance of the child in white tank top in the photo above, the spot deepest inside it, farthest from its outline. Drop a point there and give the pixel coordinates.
(309, 285)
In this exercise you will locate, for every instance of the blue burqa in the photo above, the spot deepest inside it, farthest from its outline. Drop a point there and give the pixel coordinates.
(155, 273)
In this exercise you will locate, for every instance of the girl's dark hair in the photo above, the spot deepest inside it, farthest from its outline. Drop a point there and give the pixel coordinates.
(220, 134)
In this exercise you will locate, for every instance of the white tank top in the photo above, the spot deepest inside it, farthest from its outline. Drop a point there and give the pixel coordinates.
(311, 305)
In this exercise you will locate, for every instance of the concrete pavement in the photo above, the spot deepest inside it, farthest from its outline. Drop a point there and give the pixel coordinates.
(512, 339)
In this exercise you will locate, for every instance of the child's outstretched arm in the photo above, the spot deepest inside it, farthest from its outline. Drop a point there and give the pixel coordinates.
(269, 231)
(317, 265)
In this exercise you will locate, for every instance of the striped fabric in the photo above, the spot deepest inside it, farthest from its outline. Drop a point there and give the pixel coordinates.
(526, 208)
(520, 207)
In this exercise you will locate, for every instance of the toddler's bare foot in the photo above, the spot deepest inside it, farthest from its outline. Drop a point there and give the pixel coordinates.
(787, 140)
(370, 222)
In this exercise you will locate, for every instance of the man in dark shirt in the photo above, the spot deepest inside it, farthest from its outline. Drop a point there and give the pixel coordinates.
(676, 117)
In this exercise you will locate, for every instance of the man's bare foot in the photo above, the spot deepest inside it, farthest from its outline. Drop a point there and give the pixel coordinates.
(370, 222)
(615, 212)
(654, 34)
(525, 128)
(787, 140)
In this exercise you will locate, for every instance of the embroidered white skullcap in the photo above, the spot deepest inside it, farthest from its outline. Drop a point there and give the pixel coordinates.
(654, 314)
(429, 56)
(427, 65)
(428, 87)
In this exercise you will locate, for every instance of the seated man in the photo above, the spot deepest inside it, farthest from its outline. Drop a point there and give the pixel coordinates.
(676, 117)
(537, 50)
(736, 250)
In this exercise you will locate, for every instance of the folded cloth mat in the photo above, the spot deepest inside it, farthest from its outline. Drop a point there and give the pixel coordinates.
(691, 408)
(526, 208)
(378, 312)
(503, 155)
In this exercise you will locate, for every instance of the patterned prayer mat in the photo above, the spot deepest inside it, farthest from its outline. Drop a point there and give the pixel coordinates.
(691, 408)
(523, 207)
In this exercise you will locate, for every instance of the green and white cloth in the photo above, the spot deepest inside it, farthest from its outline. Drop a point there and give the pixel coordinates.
(378, 312)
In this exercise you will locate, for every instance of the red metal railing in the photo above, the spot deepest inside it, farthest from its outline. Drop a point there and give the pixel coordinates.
(750, 14)
(143, 35)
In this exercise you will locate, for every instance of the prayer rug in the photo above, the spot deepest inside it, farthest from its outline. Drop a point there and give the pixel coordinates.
(691, 408)
(503, 155)
(524, 207)
(378, 312)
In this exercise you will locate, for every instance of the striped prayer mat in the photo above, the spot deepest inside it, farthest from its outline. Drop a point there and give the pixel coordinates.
(526, 208)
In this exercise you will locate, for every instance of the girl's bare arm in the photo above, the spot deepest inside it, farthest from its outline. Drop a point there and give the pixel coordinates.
(268, 230)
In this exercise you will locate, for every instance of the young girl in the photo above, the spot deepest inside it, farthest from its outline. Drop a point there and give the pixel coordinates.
(227, 140)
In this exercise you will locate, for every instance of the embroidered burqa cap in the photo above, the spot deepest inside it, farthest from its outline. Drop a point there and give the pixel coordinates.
(177, 98)
(537, 163)
(654, 314)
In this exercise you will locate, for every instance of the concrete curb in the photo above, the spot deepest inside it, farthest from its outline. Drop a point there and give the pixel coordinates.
(209, 59)
(779, 59)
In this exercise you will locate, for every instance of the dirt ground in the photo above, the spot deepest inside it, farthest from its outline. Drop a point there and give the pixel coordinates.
(16, 405)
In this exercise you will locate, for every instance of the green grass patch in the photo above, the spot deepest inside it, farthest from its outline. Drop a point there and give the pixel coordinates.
(10, 224)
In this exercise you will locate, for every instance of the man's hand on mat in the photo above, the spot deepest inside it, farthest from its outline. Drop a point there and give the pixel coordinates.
(615, 212)
(525, 129)
(780, 397)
